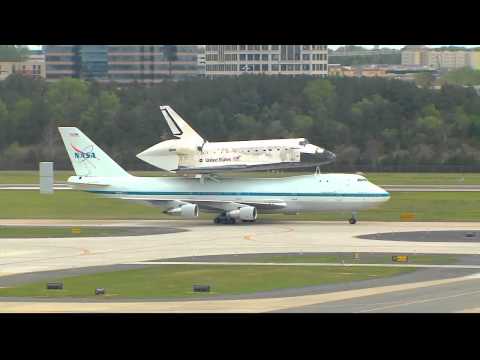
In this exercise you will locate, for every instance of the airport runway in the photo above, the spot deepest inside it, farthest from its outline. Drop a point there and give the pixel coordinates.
(456, 292)
(205, 238)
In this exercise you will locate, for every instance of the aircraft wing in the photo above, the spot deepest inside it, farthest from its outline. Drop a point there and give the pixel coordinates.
(212, 204)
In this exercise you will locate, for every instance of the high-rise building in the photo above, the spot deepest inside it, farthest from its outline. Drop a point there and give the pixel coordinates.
(93, 62)
(152, 63)
(61, 61)
(228, 60)
(123, 63)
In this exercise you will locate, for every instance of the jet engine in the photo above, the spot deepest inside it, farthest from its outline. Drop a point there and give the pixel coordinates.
(188, 211)
(244, 213)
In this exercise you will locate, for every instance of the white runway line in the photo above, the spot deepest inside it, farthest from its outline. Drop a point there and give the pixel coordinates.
(218, 263)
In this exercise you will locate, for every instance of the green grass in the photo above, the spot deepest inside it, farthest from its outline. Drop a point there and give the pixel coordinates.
(31, 177)
(177, 280)
(348, 258)
(427, 206)
(57, 231)
(424, 178)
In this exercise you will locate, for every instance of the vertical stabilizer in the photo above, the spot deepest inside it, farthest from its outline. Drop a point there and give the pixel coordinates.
(179, 127)
(86, 157)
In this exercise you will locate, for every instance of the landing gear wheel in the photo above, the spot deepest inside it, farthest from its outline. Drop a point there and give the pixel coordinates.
(352, 221)
(216, 220)
(231, 221)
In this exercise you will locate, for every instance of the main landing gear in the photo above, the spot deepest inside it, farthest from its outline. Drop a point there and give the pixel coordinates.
(223, 218)
(353, 219)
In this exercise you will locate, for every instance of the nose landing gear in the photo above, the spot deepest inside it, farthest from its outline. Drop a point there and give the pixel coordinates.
(353, 219)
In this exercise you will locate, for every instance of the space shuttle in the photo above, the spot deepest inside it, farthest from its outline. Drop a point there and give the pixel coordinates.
(189, 153)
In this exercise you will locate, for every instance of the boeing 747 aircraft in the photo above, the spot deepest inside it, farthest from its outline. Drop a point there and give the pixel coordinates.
(189, 153)
(234, 199)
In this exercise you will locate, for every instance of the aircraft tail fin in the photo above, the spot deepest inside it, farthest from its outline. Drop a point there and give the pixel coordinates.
(86, 157)
(179, 127)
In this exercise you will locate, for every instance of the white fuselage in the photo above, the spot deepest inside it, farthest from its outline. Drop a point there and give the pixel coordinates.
(320, 192)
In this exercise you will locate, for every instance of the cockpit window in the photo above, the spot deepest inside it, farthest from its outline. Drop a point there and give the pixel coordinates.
(362, 179)
(304, 142)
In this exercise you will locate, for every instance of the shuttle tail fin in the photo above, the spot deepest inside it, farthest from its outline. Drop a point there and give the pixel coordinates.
(86, 157)
(179, 127)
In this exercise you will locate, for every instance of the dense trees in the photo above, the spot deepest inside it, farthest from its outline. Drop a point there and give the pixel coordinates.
(374, 122)
(463, 76)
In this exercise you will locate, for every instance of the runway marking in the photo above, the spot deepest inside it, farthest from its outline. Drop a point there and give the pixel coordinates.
(219, 263)
(85, 252)
(469, 311)
(420, 301)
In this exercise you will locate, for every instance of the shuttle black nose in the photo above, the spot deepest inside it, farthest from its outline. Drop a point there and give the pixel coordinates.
(325, 157)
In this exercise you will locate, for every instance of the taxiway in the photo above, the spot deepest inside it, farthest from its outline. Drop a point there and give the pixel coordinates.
(446, 289)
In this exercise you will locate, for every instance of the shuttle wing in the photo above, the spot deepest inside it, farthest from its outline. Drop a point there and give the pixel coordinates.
(326, 158)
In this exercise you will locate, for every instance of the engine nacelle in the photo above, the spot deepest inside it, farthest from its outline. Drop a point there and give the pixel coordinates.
(244, 213)
(188, 211)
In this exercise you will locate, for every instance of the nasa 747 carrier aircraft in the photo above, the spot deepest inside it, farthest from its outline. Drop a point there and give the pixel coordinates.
(189, 153)
(234, 199)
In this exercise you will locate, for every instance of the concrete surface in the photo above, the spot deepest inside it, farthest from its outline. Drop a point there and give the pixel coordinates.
(455, 293)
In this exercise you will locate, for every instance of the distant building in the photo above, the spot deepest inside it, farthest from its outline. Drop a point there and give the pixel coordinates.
(414, 55)
(357, 71)
(234, 60)
(399, 72)
(121, 63)
(34, 66)
(474, 60)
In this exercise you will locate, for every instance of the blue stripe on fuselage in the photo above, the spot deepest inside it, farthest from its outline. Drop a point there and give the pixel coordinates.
(181, 193)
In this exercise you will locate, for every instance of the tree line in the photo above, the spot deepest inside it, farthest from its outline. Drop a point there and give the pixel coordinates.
(371, 122)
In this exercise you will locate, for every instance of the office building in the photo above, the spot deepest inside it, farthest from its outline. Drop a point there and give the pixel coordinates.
(123, 63)
(234, 60)
(33, 66)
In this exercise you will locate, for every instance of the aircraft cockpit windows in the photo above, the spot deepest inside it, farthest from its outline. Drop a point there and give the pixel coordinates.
(361, 179)
(304, 142)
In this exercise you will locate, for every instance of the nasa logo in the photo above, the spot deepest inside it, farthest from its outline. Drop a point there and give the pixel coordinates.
(84, 154)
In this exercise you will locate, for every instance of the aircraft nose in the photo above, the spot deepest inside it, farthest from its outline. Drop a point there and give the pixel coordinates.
(384, 193)
(318, 158)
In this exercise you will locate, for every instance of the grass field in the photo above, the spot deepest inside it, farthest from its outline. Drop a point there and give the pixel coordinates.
(57, 231)
(31, 177)
(177, 280)
(426, 206)
(348, 258)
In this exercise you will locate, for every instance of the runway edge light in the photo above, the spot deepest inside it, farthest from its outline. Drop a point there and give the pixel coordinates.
(400, 258)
